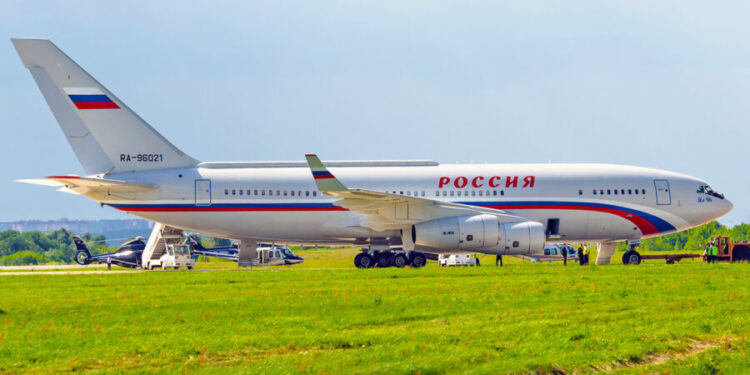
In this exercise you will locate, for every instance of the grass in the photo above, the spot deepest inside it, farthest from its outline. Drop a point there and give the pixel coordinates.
(327, 317)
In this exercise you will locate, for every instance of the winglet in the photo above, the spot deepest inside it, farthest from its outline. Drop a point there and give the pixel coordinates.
(323, 178)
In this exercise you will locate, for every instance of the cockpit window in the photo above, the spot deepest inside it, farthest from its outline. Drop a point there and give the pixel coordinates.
(286, 251)
(705, 189)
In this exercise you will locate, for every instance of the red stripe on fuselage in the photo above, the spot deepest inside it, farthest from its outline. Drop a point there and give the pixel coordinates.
(644, 225)
(96, 105)
(227, 209)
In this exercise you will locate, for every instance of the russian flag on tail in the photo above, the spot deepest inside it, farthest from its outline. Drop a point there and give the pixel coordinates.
(90, 98)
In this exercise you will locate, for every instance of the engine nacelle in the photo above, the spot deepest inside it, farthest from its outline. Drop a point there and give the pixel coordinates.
(480, 233)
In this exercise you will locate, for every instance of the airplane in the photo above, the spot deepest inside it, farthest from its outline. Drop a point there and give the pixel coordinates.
(416, 205)
(268, 254)
(128, 255)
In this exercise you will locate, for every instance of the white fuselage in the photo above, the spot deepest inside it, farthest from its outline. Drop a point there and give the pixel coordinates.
(269, 202)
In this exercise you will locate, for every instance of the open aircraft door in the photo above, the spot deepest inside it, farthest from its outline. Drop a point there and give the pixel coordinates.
(202, 192)
(663, 196)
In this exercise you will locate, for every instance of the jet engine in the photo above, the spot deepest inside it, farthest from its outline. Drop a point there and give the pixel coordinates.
(480, 233)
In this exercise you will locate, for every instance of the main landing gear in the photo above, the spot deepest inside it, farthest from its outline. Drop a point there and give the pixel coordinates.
(631, 256)
(389, 258)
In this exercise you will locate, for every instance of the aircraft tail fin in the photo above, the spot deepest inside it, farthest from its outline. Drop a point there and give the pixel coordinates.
(104, 133)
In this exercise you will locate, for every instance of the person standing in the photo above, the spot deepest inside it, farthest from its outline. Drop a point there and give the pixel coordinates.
(580, 254)
(109, 262)
(499, 259)
(707, 252)
(565, 254)
(714, 253)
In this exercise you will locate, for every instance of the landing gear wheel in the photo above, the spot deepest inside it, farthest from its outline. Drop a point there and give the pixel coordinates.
(363, 260)
(418, 260)
(189, 267)
(82, 258)
(384, 260)
(631, 257)
(399, 260)
(164, 267)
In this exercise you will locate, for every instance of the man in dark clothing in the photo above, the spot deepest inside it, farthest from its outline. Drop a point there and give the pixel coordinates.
(565, 254)
(580, 255)
(499, 259)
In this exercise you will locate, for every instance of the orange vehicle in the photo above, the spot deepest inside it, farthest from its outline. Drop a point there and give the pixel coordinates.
(731, 251)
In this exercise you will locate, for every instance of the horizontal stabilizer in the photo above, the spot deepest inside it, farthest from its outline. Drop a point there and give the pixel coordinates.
(88, 185)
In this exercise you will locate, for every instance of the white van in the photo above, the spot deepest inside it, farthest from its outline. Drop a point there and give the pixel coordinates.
(463, 259)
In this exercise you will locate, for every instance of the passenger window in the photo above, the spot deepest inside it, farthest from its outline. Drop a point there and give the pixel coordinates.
(601, 191)
(622, 191)
(285, 193)
(278, 193)
(473, 193)
(263, 192)
(292, 192)
(609, 192)
(234, 192)
(401, 192)
(636, 191)
(445, 193)
(423, 193)
(226, 191)
(502, 192)
(307, 193)
(480, 193)
(452, 193)
(580, 192)
(643, 191)
(630, 192)
(270, 193)
(408, 193)
(315, 193)
(437, 193)
(241, 192)
(615, 191)
(494, 192)
(594, 191)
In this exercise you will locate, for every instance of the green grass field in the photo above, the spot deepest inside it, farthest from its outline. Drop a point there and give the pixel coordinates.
(327, 317)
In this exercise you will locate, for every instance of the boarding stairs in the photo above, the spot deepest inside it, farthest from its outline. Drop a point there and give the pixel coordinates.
(161, 236)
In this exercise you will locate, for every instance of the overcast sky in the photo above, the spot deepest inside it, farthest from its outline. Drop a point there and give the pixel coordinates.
(662, 85)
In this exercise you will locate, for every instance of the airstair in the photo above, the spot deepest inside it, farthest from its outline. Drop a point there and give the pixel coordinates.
(163, 240)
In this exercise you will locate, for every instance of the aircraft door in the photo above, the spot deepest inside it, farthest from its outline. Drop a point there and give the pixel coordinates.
(663, 195)
(202, 192)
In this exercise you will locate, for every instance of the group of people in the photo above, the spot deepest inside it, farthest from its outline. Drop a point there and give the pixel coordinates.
(583, 255)
(711, 252)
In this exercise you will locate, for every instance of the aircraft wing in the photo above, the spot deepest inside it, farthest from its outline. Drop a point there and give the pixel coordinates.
(89, 186)
(393, 211)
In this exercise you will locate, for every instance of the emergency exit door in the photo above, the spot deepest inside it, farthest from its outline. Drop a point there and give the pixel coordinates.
(663, 195)
(202, 192)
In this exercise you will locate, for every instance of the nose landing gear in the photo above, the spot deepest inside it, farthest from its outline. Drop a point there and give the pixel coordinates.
(631, 256)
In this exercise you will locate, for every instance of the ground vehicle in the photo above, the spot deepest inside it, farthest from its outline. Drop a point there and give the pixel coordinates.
(175, 256)
(462, 259)
(128, 255)
(731, 251)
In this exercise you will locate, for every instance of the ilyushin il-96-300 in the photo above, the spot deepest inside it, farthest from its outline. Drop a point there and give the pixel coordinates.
(415, 206)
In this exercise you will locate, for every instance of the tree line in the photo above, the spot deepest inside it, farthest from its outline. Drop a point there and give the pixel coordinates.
(57, 246)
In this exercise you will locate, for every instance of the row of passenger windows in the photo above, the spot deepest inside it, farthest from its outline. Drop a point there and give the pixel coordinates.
(452, 193)
(616, 191)
(271, 193)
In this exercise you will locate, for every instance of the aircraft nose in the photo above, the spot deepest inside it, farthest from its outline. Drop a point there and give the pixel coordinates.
(727, 206)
